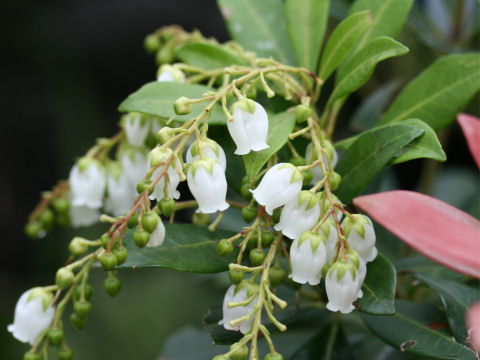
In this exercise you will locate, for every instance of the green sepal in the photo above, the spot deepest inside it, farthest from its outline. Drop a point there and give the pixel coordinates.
(246, 105)
(202, 144)
(356, 223)
(114, 168)
(296, 174)
(178, 74)
(353, 256)
(326, 226)
(46, 296)
(342, 267)
(309, 197)
(251, 286)
(315, 239)
(182, 106)
(159, 154)
(85, 162)
(207, 164)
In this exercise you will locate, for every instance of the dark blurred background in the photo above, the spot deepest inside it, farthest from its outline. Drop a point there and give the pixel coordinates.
(65, 67)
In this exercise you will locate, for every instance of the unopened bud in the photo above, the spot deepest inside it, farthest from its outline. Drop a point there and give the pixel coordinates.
(249, 214)
(335, 180)
(240, 353)
(151, 43)
(302, 113)
(64, 278)
(201, 219)
(121, 254)
(112, 286)
(257, 256)
(150, 221)
(224, 247)
(166, 206)
(77, 246)
(55, 336)
(140, 238)
(82, 308)
(108, 261)
(182, 106)
(235, 276)
(164, 134)
(276, 275)
(64, 354)
(297, 161)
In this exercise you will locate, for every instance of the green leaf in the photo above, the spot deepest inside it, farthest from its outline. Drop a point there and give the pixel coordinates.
(379, 287)
(360, 67)
(422, 265)
(187, 247)
(259, 26)
(425, 146)
(456, 299)
(439, 93)
(369, 153)
(410, 330)
(279, 127)
(306, 24)
(157, 98)
(342, 40)
(389, 16)
(208, 56)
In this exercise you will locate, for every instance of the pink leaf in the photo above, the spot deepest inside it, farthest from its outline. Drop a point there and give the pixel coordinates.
(471, 129)
(439, 231)
(473, 325)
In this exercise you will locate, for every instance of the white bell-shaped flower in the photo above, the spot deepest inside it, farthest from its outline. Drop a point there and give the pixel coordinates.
(249, 127)
(341, 284)
(311, 156)
(136, 128)
(209, 148)
(157, 156)
(281, 183)
(134, 163)
(206, 180)
(121, 193)
(157, 236)
(87, 183)
(169, 73)
(329, 230)
(361, 267)
(82, 215)
(307, 256)
(238, 293)
(33, 314)
(361, 236)
(299, 214)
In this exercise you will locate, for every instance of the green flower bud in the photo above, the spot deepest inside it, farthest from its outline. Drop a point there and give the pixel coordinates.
(121, 254)
(164, 135)
(140, 238)
(235, 276)
(31, 356)
(61, 205)
(108, 261)
(302, 113)
(182, 106)
(201, 219)
(335, 179)
(165, 55)
(88, 291)
(55, 336)
(151, 43)
(64, 278)
(77, 246)
(82, 308)
(218, 357)
(297, 161)
(63, 220)
(105, 238)
(112, 286)
(275, 356)
(307, 177)
(249, 214)
(245, 192)
(65, 354)
(34, 230)
(77, 322)
(224, 247)
(276, 215)
(256, 257)
(47, 218)
(143, 185)
(267, 239)
(276, 275)
(166, 206)
(150, 221)
(239, 354)
(132, 221)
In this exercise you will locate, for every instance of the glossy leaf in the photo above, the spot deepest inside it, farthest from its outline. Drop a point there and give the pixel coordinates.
(279, 127)
(411, 330)
(187, 247)
(306, 24)
(208, 56)
(456, 299)
(369, 154)
(341, 41)
(439, 231)
(157, 98)
(360, 67)
(471, 130)
(379, 288)
(419, 264)
(425, 146)
(259, 26)
(439, 92)
(389, 16)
